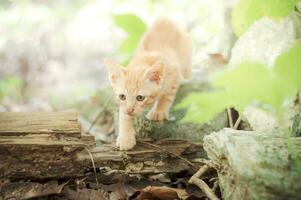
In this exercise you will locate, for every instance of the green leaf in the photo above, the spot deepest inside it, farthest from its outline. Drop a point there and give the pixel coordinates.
(132, 25)
(11, 86)
(203, 106)
(288, 67)
(248, 11)
(248, 83)
(129, 45)
(251, 82)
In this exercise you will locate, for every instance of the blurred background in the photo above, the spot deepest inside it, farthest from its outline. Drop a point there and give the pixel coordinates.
(51, 52)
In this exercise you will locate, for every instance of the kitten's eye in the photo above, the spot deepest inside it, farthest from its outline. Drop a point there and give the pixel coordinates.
(122, 97)
(140, 98)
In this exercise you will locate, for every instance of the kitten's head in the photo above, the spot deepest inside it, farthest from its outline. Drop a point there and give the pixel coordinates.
(135, 88)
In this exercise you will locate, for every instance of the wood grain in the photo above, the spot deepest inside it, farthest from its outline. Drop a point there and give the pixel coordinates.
(50, 145)
(39, 156)
(23, 123)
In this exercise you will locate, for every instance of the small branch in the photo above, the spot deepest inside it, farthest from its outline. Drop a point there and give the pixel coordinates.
(201, 184)
(105, 105)
(204, 187)
(94, 168)
(236, 125)
(207, 162)
(230, 117)
(162, 149)
(215, 185)
(201, 171)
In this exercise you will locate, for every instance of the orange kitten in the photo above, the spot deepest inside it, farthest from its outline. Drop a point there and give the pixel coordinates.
(152, 77)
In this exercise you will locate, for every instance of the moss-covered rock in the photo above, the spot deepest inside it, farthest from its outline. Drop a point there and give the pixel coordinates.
(252, 165)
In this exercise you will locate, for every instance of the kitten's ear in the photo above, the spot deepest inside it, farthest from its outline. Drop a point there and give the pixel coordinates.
(156, 72)
(115, 71)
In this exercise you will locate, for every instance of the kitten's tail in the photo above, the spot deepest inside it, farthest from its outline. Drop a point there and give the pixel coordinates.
(186, 52)
(186, 64)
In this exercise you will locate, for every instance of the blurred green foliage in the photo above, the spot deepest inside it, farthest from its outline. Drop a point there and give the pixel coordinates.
(248, 83)
(11, 86)
(77, 92)
(134, 27)
(248, 11)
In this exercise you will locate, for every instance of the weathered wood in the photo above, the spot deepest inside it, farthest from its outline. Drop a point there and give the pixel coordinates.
(23, 123)
(255, 166)
(39, 156)
(88, 139)
(41, 144)
(144, 158)
(47, 145)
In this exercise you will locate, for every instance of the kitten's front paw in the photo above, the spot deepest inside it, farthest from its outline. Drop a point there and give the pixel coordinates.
(157, 115)
(125, 143)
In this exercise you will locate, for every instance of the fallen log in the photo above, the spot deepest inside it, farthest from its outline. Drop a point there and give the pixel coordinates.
(39, 156)
(169, 158)
(252, 165)
(54, 123)
(34, 149)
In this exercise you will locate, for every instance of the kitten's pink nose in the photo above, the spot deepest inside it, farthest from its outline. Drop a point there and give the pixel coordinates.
(130, 110)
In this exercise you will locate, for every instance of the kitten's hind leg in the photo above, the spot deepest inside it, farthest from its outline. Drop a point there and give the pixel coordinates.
(160, 110)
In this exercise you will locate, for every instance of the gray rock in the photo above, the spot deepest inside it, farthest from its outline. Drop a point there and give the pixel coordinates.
(263, 42)
(266, 39)
(252, 165)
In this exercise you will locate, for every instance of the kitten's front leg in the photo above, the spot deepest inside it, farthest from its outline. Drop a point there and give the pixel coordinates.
(126, 136)
(160, 110)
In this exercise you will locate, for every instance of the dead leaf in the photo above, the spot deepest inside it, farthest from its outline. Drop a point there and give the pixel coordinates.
(27, 190)
(161, 193)
(85, 194)
(117, 191)
(163, 178)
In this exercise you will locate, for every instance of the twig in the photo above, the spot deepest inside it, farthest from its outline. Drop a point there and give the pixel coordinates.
(79, 181)
(99, 114)
(236, 125)
(230, 117)
(94, 121)
(207, 162)
(215, 185)
(201, 171)
(94, 168)
(162, 149)
(205, 188)
(201, 184)
(213, 179)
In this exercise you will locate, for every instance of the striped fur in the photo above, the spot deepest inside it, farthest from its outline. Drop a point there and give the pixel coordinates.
(162, 59)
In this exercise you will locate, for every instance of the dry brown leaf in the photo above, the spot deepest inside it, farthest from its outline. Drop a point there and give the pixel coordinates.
(28, 190)
(85, 194)
(161, 193)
